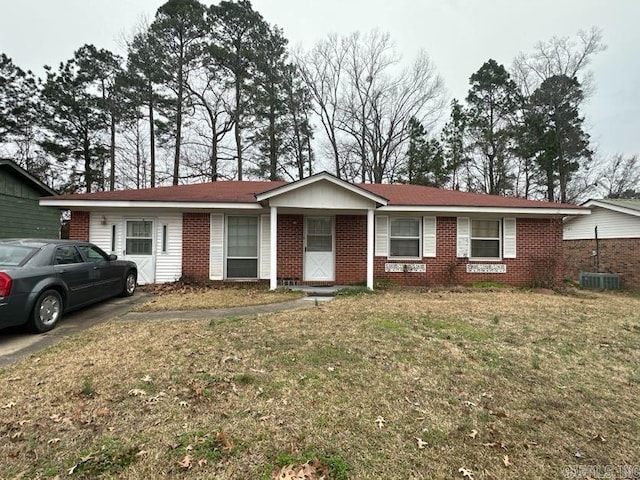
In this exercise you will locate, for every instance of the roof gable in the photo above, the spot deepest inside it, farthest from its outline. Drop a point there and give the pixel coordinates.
(628, 206)
(20, 172)
(312, 189)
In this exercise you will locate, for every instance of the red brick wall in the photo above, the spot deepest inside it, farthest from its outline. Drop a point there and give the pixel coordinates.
(79, 226)
(539, 253)
(196, 228)
(616, 255)
(351, 249)
(290, 246)
(538, 258)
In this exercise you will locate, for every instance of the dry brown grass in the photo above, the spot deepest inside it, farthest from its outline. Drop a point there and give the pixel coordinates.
(546, 381)
(180, 296)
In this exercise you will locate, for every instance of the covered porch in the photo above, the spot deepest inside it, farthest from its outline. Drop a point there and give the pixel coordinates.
(321, 231)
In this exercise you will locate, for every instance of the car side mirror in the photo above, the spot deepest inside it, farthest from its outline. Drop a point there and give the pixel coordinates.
(112, 257)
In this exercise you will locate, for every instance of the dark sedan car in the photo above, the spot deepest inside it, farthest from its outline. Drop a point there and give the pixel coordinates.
(41, 279)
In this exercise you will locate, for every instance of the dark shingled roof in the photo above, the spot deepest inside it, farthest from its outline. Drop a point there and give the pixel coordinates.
(245, 191)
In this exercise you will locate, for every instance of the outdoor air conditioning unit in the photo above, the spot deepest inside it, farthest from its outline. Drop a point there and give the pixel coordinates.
(600, 281)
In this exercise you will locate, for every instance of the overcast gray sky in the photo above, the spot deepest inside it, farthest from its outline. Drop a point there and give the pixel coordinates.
(459, 35)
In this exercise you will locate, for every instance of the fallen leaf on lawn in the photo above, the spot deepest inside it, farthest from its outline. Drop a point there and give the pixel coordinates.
(331, 369)
(499, 414)
(421, 443)
(136, 392)
(186, 462)
(466, 473)
(579, 454)
(223, 439)
(496, 445)
(8, 405)
(380, 421)
(147, 379)
(312, 470)
(474, 433)
(598, 438)
(506, 461)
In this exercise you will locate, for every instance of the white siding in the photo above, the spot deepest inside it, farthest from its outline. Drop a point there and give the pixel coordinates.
(322, 194)
(509, 238)
(265, 246)
(168, 266)
(610, 225)
(428, 236)
(463, 236)
(101, 234)
(382, 236)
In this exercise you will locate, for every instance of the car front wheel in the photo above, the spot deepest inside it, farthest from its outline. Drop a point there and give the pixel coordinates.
(129, 284)
(46, 311)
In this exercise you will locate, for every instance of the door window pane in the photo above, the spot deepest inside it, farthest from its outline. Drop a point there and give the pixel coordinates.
(92, 253)
(319, 235)
(139, 238)
(67, 255)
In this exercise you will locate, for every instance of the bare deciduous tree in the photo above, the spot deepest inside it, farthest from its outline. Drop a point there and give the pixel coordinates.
(365, 99)
(559, 56)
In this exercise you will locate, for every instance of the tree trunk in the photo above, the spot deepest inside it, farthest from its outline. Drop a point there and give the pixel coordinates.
(88, 173)
(112, 155)
(237, 129)
(273, 153)
(213, 161)
(176, 158)
(152, 137)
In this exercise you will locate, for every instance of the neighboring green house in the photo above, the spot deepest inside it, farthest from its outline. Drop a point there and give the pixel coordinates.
(20, 212)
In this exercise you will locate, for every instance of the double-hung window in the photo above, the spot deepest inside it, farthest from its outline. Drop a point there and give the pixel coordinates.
(485, 239)
(404, 238)
(242, 247)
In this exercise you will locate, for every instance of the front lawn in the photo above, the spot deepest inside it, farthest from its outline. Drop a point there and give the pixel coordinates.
(441, 385)
(182, 296)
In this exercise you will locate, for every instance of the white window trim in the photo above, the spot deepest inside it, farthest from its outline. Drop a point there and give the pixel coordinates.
(472, 238)
(226, 249)
(418, 237)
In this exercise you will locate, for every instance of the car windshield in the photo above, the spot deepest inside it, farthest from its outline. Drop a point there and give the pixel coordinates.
(14, 255)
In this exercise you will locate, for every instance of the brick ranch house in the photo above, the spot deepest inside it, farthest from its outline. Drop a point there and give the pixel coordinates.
(617, 249)
(322, 231)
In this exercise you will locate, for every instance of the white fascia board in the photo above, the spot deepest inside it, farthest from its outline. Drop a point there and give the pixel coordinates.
(316, 178)
(46, 202)
(500, 210)
(614, 208)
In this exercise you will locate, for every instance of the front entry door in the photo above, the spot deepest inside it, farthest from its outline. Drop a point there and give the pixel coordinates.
(319, 258)
(139, 248)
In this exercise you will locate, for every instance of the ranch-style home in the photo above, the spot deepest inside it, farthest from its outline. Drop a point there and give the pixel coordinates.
(322, 230)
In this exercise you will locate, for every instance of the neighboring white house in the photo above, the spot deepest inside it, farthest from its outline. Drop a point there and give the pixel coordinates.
(606, 241)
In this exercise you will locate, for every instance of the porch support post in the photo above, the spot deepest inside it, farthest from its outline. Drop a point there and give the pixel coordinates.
(370, 236)
(273, 269)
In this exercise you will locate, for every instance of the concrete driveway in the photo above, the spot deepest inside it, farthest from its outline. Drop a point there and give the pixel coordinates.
(16, 344)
